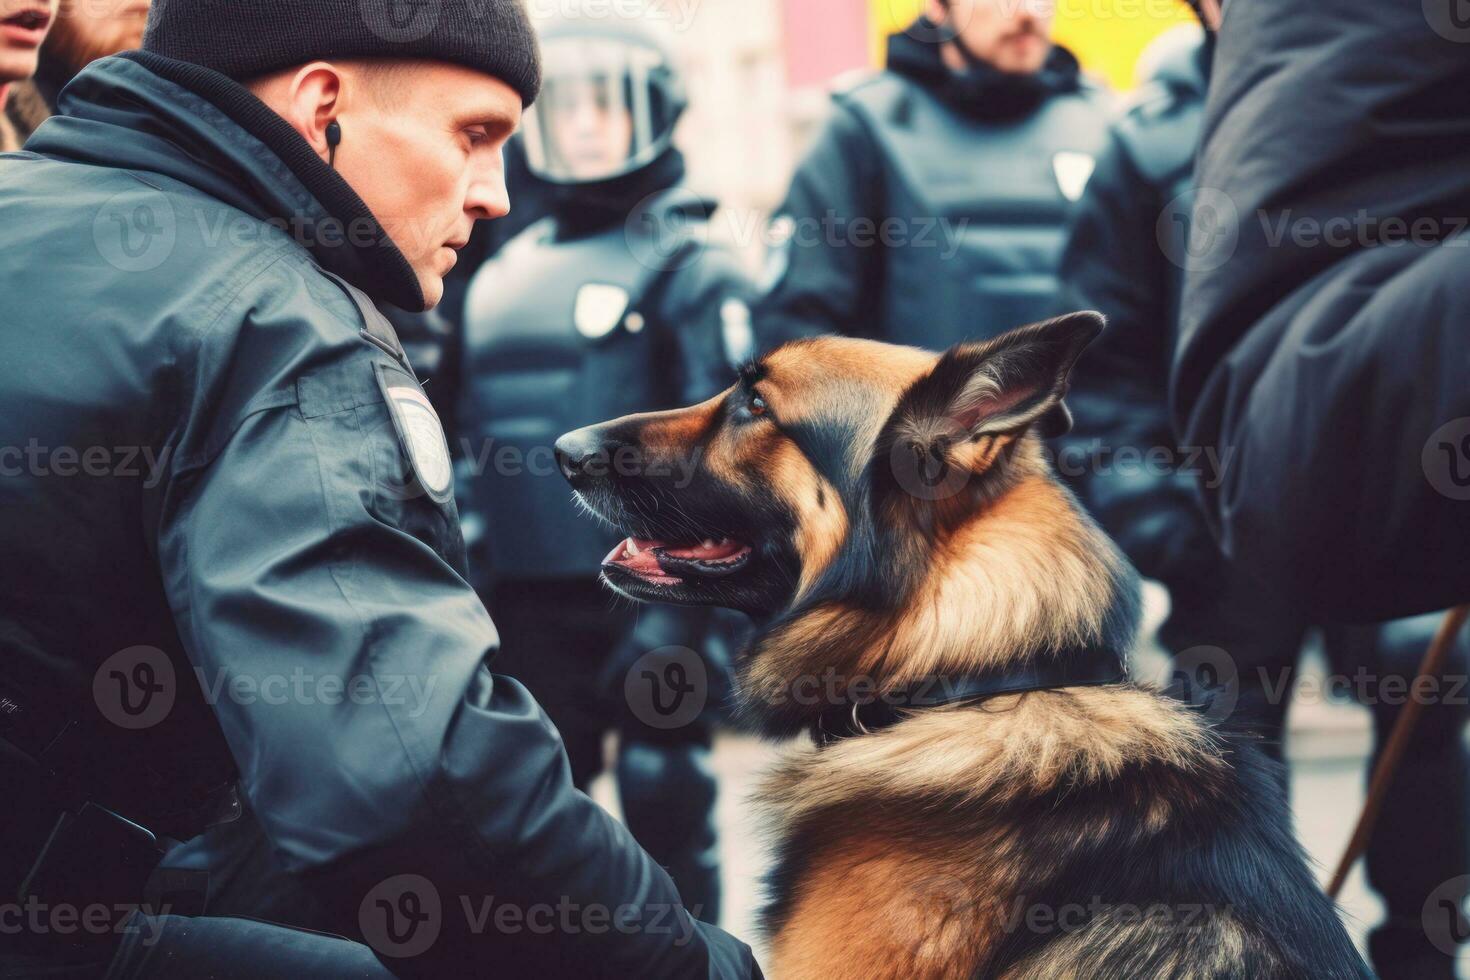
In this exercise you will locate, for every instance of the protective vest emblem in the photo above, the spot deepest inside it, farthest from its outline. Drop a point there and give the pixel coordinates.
(600, 308)
(1073, 171)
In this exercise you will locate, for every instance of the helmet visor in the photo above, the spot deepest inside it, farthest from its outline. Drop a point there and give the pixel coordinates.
(606, 109)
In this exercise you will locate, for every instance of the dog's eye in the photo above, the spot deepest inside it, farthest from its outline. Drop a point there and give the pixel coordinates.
(757, 405)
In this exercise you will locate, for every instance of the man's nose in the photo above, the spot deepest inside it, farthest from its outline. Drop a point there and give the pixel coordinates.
(587, 454)
(488, 197)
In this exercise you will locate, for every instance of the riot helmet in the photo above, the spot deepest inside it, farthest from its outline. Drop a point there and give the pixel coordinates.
(610, 98)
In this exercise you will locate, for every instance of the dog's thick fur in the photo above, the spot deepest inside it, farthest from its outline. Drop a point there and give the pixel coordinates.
(904, 525)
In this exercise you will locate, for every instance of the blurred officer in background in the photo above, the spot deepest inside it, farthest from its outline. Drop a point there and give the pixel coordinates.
(84, 31)
(933, 205)
(613, 304)
(23, 27)
(1135, 234)
(1126, 258)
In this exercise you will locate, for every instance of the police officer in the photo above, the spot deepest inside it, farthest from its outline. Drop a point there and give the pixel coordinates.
(235, 584)
(933, 205)
(615, 303)
(1136, 233)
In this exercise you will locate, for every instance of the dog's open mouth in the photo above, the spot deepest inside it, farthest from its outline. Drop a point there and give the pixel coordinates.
(667, 563)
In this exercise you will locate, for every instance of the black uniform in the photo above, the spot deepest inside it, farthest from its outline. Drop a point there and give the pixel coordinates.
(933, 206)
(234, 568)
(1127, 257)
(1328, 355)
(615, 304)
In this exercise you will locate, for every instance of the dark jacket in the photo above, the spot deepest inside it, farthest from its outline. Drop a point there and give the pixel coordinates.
(1122, 452)
(933, 207)
(1326, 356)
(263, 496)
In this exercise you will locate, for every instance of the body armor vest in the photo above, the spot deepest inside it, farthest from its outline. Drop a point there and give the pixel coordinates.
(988, 204)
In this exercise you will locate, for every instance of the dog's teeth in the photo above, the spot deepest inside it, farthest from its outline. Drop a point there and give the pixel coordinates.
(632, 548)
(709, 543)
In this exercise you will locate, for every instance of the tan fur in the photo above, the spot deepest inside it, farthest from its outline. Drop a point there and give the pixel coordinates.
(885, 912)
(1023, 570)
(1016, 745)
(887, 897)
(800, 372)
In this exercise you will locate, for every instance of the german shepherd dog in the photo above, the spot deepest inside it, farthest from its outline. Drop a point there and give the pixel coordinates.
(887, 517)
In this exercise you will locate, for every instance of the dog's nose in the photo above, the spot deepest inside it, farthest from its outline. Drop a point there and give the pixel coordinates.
(585, 453)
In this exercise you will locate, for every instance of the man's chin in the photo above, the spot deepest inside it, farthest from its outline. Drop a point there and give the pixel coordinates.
(16, 65)
(432, 286)
(1023, 57)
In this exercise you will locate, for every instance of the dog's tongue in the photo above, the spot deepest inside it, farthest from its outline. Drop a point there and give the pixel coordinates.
(707, 550)
(644, 561)
(637, 554)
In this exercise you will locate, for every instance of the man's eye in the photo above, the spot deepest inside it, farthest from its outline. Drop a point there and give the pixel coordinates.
(477, 136)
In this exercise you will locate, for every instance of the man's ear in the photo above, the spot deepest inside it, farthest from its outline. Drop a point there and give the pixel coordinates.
(309, 97)
(980, 397)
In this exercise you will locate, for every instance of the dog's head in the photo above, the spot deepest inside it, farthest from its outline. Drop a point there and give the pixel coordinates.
(831, 470)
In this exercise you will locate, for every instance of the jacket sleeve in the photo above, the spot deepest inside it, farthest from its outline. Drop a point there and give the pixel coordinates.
(817, 281)
(1122, 453)
(1325, 359)
(426, 801)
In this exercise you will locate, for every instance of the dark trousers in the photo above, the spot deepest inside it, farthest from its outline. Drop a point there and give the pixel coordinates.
(1420, 843)
(171, 947)
(559, 638)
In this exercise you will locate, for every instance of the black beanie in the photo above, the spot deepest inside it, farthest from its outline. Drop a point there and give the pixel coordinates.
(247, 38)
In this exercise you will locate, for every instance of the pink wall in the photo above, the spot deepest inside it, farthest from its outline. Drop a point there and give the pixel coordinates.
(824, 38)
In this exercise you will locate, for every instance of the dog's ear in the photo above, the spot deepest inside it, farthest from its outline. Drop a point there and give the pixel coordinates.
(996, 389)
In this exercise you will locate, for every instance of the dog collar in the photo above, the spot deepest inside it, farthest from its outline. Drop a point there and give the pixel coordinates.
(1091, 668)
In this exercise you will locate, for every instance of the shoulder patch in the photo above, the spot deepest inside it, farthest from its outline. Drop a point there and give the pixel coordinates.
(600, 307)
(419, 432)
(1073, 170)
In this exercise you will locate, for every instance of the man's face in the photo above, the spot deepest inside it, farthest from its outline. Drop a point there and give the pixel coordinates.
(1011, 35)
(591, 136)
(90, 29)
(426, 159)
(23, 26)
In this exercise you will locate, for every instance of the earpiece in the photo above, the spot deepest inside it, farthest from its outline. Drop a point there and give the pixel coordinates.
(334, 138)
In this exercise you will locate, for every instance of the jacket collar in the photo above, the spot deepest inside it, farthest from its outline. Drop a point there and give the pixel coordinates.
(141, 111)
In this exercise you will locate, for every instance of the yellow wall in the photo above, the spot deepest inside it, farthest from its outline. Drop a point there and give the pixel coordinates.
(1107, 35)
